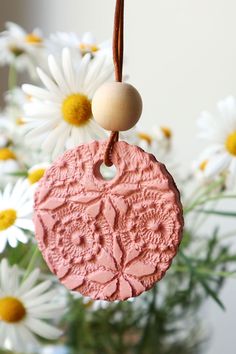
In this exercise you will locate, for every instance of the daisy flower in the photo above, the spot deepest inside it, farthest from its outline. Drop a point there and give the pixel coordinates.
(16, 205)
(220, 133)
(86, 44)
(19, 48)
(158, 142)
(161, 136)
(199, 169)
(6, 129)
(60, 116)
(23, 308)
(36, 172)
(8, 164)
(11, 131)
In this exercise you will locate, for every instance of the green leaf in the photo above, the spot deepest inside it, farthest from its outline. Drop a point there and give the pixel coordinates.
(212, 243)
(18, 174)
(212, 294)
(217, 212)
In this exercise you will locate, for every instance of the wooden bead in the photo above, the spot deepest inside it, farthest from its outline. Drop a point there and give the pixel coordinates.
(117, 106)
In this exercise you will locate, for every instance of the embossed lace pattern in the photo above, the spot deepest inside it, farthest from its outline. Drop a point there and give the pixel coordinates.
(108, 239)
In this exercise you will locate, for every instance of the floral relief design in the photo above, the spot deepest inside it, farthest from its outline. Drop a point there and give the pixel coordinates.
(105, 200)
(108, 239)
(78, 244)
(153, 225)
(120, 275)
(78, 237)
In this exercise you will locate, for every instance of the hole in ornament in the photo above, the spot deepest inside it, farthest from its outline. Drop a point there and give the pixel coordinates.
(107, 173)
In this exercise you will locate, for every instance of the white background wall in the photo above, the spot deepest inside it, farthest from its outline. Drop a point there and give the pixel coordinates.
(181, 54)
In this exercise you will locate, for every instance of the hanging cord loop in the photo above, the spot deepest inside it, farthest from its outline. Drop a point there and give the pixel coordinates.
(118, 55)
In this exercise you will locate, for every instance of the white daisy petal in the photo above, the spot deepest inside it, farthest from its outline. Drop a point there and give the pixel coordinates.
(43, 329)
(59, 148)
(43, 111)
(41, 299)
(26, 210)
(39, 92)
(14, 280)
(68, 70)
(2, 334)
(7, 191)
(12, 240)
(88, 38)
(37, 290)
(25, 224)
(42, 128)
(83, 69)
(57, 74)
(16, 29)
(105, 76)
(29, 282)
(96, 66)
(3, 242)
(43, 308)
(227, 109)
(19, 235)
(29, 338)
(74, 139)
(49, 83)
(4, 273)
(39, 304)
(16, 340)
(231, 180)
(98, 131)
(217, 164)
(51, 142)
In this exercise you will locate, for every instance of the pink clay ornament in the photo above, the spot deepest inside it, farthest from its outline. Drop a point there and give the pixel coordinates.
(109, 240)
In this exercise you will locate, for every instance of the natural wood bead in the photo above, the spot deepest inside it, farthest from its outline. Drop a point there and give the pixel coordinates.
(117, 106)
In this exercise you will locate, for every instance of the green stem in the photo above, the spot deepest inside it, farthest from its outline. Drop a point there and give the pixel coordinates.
(202, 219)
(205, 271)
(208, 190)
(32, 263)
(219, 197)
(12, 77)
(229, 235)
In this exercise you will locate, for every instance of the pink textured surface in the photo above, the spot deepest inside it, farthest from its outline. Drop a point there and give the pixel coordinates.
(108, 239)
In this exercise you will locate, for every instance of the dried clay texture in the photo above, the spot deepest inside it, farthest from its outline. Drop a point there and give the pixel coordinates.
(109, 240)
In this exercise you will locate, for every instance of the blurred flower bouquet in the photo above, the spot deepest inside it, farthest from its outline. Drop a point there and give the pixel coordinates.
(40, 121)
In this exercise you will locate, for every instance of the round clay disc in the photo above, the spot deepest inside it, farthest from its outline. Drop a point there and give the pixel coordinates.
(109, 240)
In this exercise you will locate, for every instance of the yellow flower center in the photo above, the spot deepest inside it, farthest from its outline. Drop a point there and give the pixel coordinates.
(203, 165)
(167, 132)
(76, 109)
(36, 175)
(88, 48)
(7, 154)
(11, 310)
(145, 137)
(230, 143)
(89, 304)
(16, 51)
(32, 38)
(20, 121)
(7, 218)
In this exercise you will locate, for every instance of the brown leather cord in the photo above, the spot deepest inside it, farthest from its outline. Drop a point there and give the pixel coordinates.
(118, 40)
(114, 137)
(118, 54)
